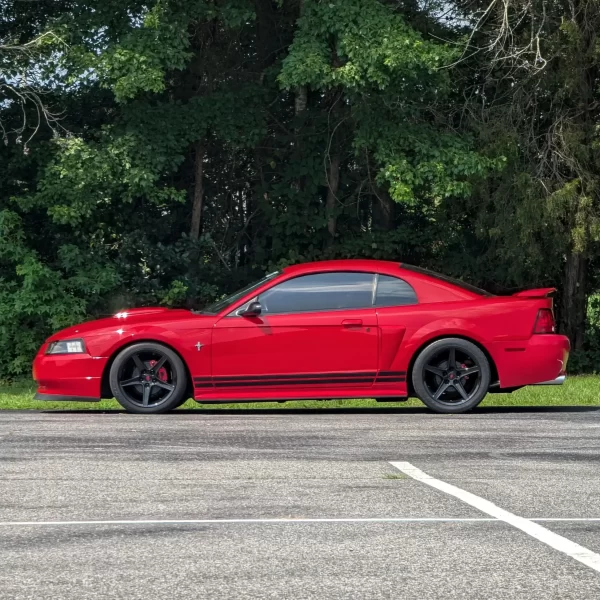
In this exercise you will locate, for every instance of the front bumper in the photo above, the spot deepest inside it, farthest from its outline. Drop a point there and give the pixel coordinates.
(68, 376)
(61, 398)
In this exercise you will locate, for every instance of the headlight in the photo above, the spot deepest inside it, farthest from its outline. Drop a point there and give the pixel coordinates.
(66, 347)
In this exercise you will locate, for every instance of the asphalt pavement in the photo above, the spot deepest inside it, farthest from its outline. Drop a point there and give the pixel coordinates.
(299, 505)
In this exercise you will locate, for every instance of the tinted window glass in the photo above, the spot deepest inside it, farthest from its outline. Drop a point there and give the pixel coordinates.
(322, 291)
(452, 280)
(392, 291)
(222, 304)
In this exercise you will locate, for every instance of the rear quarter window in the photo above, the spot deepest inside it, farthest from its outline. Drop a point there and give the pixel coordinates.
(393, 291)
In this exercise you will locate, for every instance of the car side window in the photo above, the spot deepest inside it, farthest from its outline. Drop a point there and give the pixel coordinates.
(392, 291)
(319, 292)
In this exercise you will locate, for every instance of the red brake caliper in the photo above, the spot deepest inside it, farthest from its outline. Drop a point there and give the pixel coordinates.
(162, 372)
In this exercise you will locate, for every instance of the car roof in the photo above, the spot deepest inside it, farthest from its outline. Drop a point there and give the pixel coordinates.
(347, 264)
(388, 267)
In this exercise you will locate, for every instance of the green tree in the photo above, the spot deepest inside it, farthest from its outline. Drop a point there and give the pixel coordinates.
(533, 96)
(201, 142)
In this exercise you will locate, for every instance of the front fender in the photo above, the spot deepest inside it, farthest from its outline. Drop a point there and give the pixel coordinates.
(105, 344)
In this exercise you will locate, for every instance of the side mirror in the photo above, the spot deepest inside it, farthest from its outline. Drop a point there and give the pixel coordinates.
(252, 310)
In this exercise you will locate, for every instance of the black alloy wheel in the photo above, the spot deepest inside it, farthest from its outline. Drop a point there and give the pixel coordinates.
(451, 375)
(148, 378)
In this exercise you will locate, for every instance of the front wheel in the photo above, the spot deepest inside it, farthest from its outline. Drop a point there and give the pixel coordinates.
(451, 375)
(148, 378)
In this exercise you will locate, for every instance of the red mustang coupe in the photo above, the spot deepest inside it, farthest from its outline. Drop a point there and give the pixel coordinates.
(335, 329)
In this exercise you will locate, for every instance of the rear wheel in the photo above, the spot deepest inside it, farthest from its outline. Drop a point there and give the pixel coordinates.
(451, 375)
(148, 378)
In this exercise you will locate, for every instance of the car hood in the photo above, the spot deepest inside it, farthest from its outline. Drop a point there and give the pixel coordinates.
(134, 316)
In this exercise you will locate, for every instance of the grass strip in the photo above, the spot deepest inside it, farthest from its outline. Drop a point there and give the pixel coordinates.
(583, 390)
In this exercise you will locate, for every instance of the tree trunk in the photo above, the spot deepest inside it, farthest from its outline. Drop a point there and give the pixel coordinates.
(383, 210)
(266, 33)
(300, 100)
(333, 184)
(574, 300)
(198, 192)
(301, 92)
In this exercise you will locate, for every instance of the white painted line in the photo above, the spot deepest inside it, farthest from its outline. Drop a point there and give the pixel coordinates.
(258, 521)
(558, 542)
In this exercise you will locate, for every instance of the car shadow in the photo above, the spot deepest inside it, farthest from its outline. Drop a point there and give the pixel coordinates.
(486, 410)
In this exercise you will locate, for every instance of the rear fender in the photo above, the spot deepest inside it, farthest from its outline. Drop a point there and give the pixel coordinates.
(435, 330)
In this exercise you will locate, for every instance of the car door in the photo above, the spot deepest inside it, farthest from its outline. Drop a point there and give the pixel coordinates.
(397, 312)
(314, 330)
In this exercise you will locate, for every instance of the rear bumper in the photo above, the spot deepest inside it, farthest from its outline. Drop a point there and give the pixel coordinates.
(558, 381)
(541, 358)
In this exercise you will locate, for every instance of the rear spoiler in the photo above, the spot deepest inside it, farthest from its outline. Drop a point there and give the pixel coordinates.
(536, 293)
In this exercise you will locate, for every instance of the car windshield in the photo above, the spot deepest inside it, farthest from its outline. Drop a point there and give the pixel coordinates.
(222, 304)
(452, 280)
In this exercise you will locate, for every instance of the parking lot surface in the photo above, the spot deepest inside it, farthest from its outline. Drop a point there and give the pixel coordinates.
(300, 505)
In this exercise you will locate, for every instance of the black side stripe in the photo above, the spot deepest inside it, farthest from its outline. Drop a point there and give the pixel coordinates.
(361, 374)
(297, 379)
(283, 382)
(242, 384)
(287, 383)
(368, 377)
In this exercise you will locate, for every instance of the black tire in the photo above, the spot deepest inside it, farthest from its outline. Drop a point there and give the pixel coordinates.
(181, 402)
(148, 378)
(448, 388)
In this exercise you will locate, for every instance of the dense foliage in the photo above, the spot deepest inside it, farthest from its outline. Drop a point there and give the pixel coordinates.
(168, 151)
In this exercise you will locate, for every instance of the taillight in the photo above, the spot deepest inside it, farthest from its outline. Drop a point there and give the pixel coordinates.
(544, 322)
